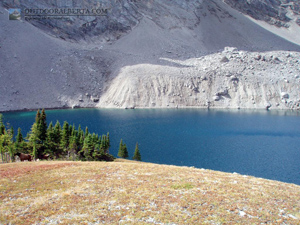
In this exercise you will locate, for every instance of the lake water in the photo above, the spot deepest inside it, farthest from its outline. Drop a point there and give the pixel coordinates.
(259, 143)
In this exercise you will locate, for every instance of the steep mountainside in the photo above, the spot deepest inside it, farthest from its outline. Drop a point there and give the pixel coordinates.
(152, 53)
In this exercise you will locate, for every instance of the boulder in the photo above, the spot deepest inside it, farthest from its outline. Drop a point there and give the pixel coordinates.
(222, 93)
(224, 60)
(95, 99)
(75, 106)
(258, 57)
(284, 95)
(234, 78)
(216, 98)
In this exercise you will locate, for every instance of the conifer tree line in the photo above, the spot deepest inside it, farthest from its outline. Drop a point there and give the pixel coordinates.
(59, 142)
(56, 141)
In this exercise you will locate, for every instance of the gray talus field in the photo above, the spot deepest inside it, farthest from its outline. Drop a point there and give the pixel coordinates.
(152, 54)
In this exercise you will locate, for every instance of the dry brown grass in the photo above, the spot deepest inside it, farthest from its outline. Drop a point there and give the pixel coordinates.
(125, 192)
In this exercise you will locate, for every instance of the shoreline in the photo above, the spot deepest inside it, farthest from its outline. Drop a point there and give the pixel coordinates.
(133, 108)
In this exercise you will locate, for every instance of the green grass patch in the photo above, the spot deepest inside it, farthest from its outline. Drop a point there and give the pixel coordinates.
(186, 186)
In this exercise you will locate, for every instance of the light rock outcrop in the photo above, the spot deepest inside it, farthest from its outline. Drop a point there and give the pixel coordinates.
(243, 82)
(152, 53)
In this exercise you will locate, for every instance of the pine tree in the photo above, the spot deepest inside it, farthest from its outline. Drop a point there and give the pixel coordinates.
(64, 142)
(81, 140)
(74, 131)
(123, 153)
(86, 132)
(137, 155)
(2, 126)
(57, 132)
(19, 137)
(79, 129)
(32, 136)
(50, 143)
(37, 116)
(107, 143)
(88, 148)
(73, 147)
(12, 132)
(6, 144)
(38, 134)
(120, 152)
(19, 144)
(55, 140)
(78, 137)
(42, 126)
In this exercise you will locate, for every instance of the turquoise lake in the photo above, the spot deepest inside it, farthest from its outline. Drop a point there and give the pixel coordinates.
(258, 143)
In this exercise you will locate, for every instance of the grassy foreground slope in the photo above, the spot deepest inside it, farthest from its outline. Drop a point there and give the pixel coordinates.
(125, 192)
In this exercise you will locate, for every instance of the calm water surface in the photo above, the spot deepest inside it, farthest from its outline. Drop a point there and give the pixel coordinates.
(259, 143)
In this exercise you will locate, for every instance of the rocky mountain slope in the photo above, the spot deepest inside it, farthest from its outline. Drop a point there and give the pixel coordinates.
(154, 53)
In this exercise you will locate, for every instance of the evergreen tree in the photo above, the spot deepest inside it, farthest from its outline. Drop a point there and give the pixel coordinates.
(102, 143)
(57, 132)
(50, 143)
(6, 143)
(2, 126)
(56, 139)
(64, 142)
(37, 135)
(42, 126)
(79, 129)
(19, 137)
(78, 136)
(137, 154)
(81, 139)
(107, 143)
(88, 148)
(70, 130)
(120, 153)
(86, 132)
(37, 116)
(32, 136)
(73, 146)
(123, 153)
(12, 132)
(73, 131)
(19, 144)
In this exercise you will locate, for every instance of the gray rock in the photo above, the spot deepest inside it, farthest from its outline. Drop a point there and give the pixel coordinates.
(95, 99)
(216, 98)
(234, 78)
(268, 106)
(224, 60)
(258, 57)
(75, 106)
(284, 95)
(222, 93)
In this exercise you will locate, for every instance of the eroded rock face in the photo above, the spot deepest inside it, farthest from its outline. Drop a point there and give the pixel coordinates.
(241, 83)
(121, 16)
(150, 53)
(275, 12)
